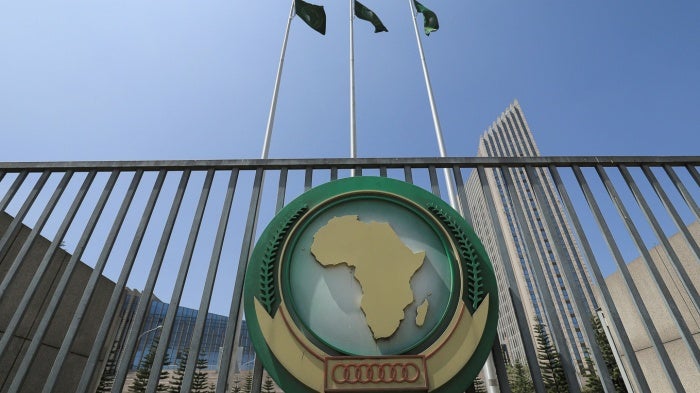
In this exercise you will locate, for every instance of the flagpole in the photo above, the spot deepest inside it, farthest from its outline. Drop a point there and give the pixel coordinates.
(436, 122)
(489, 367)
(278, 78)
(353, 127)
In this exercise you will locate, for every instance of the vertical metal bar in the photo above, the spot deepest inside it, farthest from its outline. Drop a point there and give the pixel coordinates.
(50, 311)
(567, 237)
(671, 209)
(528, 344)
(119, 288)
(382, 171)
(36, 230)
(613, 348)
(632, 290)
(461, 196)
(90, 286)
(693, 173)
(518, 308)
(257, 365)
(500, 365)
(282, 187)
(234, 312)
(144, 303)
(13, 190)
(683, 191)
(408, 174)
(598, 278)
(281, 190)
(357, 171)
(572, 284)
(16, 223)
(334, 173)
(555, 328)
(434, 185)
(670, 303)
(308, 179)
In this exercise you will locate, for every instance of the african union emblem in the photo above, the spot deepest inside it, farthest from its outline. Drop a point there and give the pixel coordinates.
(370, 284)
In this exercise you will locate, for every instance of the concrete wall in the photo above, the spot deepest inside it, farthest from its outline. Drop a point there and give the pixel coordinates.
(661, 318)
(39, 370)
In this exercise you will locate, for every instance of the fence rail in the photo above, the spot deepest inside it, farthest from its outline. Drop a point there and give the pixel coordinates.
(78, 239)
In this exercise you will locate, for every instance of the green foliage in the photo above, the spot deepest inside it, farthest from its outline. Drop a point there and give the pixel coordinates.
(107, 378)
(519, 379)
(475, 285)
(179, 373)
(140, 382)
(267, 295)
(200, 379)
(105, 384)
(236, 388)
(268, 385)
(478, 385)
(608, 355)
(550, 362)
(593, 384)
(248, 385)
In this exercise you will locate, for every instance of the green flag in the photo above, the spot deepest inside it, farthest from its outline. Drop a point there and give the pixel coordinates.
(365, 13)
(314, 15)
(430, 21)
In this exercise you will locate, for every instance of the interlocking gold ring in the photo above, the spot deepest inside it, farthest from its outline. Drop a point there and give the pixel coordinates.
(354, 373)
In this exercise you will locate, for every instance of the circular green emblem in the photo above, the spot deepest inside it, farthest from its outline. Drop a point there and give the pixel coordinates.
(370, 284)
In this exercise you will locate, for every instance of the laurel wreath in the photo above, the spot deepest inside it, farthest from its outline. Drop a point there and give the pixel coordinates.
(475, 285)
(268, 288)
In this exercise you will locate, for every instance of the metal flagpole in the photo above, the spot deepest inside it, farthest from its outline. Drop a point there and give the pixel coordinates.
(489, 367)
(436, 122)
(273, 105)
(258, 367)
(353, 127)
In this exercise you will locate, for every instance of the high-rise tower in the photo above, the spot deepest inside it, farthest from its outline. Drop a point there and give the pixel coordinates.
(529, 241)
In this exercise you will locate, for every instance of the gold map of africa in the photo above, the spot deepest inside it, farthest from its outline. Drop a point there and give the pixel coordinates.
(383, 265)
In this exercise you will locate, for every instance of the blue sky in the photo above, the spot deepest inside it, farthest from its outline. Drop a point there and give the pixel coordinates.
(142, 80)
(154, 80)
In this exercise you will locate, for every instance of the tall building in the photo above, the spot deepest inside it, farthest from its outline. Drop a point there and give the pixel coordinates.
(528, 243)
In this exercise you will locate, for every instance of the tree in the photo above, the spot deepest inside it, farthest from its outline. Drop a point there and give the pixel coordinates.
(519, 379)
(236, 388)
(107, 378)
(608, 355)
(105, 384)
(479, 385)
(268, 386)
(179, 373)
(248, 385)
(201, 379)
(139, 384)
(593, 384)
(550, 362)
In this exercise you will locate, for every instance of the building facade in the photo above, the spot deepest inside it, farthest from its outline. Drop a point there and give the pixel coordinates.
(681, 359)
(181, 335)
(537, 238)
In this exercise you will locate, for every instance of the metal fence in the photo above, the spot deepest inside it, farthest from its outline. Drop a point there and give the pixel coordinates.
(177, 230)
